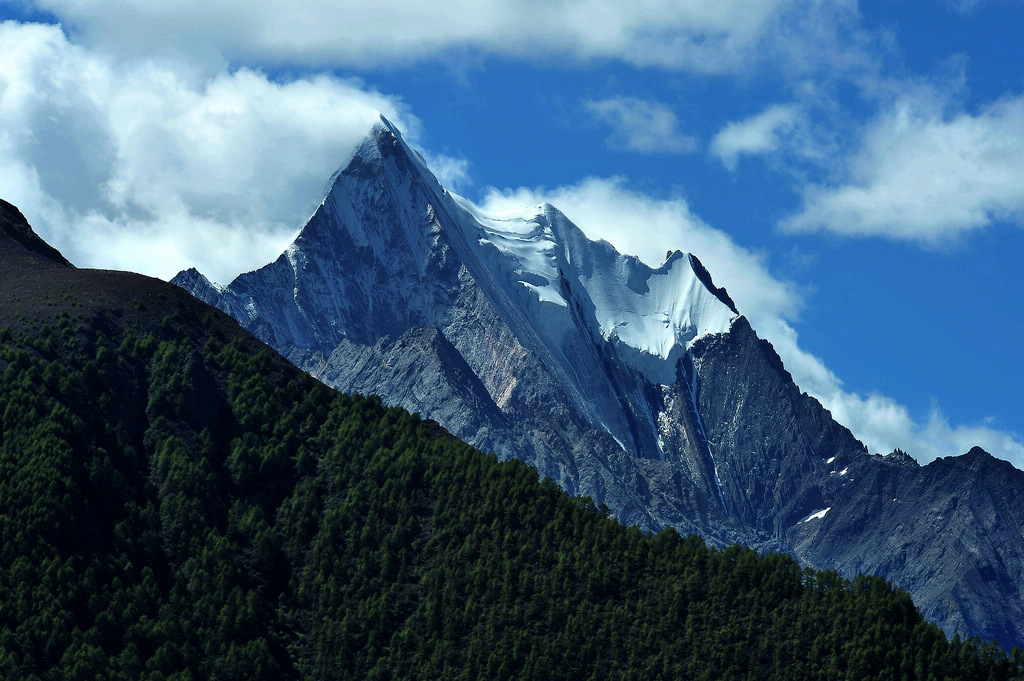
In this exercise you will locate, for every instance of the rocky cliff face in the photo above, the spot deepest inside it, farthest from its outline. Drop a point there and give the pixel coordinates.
(643, 388)
(951, 533)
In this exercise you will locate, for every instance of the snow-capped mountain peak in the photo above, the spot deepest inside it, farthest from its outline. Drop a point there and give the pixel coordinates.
(389, 250)
(641, 387)
(540, 260)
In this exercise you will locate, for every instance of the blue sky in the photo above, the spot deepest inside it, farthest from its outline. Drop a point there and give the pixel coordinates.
(852, 172)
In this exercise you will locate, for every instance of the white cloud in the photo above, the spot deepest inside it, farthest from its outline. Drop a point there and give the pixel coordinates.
(648, 227)
(760, 134)
(451, 171)
(153, 168)
(706, 37)
(641, 125)
(924, 174)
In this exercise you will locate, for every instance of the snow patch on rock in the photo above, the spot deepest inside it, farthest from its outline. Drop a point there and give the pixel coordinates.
(817, 515)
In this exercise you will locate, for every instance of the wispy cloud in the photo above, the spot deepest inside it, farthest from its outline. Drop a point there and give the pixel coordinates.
(720, 37)
(924, 171)
(763, 133)
(641, 125)
(451, 171)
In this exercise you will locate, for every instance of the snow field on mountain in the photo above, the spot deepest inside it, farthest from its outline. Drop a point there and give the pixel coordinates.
(817, 515)
(651, 315)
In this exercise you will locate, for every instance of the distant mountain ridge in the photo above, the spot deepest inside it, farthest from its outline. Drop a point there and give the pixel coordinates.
(643, 388)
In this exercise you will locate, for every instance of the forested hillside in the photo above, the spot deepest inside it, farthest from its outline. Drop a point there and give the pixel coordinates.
(176, 503)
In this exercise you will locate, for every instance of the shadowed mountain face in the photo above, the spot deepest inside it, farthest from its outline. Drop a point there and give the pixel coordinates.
(18, 232)
(642, 388)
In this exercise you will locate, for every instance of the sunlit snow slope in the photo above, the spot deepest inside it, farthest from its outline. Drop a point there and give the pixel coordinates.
(651, 316)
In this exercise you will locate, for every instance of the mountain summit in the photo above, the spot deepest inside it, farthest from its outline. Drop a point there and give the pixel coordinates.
(517, 311)
(641, 387)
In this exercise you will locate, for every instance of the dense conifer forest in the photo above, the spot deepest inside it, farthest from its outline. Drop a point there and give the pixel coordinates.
(176, 505)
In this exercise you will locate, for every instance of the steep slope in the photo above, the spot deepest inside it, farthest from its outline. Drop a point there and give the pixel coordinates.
(642, 388)
(950, 532)
(21, 239)
(961, 513)
(176, 503)
(530, 306)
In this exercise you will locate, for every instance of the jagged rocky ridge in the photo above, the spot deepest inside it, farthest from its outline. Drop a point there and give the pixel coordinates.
(643, 388)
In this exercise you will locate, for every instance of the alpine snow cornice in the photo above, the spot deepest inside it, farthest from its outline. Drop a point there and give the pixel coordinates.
(640, 387)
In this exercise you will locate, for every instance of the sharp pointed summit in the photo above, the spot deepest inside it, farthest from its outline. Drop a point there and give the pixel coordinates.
(643, 388)
(528, 302)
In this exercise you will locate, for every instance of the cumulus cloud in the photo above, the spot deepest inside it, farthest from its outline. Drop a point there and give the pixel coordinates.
(451, 171)
(641, 125)
(719, 37)
(649, 227)
(155, 168)
(925, 174)
(759, 134)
